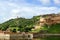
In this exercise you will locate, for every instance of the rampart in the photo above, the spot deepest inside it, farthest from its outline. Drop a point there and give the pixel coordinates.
(15, 36)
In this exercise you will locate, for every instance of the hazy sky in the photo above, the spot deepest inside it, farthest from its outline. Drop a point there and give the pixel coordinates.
(27, 8)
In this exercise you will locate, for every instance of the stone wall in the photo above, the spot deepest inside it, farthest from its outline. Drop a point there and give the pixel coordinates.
(4, 36)
(14, 36)
(52, 19)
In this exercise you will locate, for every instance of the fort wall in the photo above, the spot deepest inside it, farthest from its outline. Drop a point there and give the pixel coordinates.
(15, 36)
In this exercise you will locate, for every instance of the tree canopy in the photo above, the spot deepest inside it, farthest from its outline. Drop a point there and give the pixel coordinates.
(23, 24)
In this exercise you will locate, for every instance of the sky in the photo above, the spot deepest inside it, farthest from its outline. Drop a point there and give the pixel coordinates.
(10, 9)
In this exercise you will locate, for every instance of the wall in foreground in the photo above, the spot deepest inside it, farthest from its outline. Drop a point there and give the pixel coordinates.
(4, 36)
(15, 36)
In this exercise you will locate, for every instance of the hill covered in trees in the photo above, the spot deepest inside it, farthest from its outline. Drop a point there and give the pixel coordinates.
(51, 24)
(19, 24)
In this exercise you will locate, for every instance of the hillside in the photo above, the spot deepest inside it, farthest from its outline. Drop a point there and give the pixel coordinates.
(19, 24)
(49, 23)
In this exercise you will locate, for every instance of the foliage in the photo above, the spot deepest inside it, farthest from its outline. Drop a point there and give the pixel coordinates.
(24, 25)
(54, 28)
